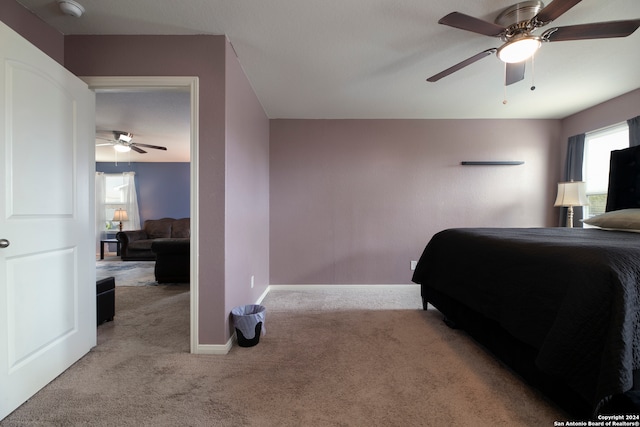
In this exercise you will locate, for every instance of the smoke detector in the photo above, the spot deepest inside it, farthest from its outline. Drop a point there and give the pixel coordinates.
(71, 8)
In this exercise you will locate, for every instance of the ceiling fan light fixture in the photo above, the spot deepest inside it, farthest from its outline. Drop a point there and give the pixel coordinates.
(126, 137)
(122, 148)
(519, 50)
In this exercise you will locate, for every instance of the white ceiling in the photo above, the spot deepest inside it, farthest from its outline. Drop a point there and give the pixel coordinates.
(154, 118)
(370, 58)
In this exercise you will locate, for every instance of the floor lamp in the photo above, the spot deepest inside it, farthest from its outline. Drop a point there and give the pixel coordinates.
(570, 194)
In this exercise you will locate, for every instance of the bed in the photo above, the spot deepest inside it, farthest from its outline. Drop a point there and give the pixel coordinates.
(560, 306)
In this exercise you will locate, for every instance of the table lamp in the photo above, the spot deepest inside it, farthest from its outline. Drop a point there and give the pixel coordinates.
(120, 215)
(570, 194)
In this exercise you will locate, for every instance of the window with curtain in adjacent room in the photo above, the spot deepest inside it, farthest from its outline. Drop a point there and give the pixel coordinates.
(115, 197)
(597, 151)
(115, 191)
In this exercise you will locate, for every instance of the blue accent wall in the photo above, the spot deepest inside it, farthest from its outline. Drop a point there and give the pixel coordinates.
(163, 188)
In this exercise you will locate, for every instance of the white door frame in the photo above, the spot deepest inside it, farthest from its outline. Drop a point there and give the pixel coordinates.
(148, 83)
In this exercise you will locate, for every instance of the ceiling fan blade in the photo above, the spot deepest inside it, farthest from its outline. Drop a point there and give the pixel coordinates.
(553, 11)
(461, 65)
(104, 145)
(596, 30)
(469, 23)
(157, 147)
(139, 150)
(514, 72)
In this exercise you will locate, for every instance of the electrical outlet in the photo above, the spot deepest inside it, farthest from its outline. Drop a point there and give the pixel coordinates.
(252, 281)
(413, 265)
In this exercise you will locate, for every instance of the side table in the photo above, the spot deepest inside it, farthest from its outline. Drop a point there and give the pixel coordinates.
(107, 241)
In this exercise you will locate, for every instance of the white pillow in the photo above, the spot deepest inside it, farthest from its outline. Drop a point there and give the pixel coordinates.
(623, 219)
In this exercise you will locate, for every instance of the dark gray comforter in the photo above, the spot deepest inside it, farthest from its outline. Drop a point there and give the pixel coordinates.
(570, 293)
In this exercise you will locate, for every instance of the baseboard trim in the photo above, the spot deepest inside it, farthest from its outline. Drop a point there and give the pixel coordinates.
(215, 349)
(320, 287)
(264, 294)
(222, 349)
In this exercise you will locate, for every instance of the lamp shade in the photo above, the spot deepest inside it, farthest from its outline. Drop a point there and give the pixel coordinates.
(571, 193)
(120, 215)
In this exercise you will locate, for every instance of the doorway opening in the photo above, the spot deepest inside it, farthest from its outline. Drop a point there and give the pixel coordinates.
(190, 84)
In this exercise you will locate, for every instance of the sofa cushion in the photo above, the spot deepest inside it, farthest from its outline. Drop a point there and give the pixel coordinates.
(136, 244)
(140, 245)
(158, 228)
(171, 246)
(181, 228)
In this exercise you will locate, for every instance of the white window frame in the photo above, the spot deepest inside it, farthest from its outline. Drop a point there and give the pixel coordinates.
(113, 203)
(596, 158)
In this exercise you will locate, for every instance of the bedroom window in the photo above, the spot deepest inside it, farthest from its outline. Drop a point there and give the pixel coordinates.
(597, 149)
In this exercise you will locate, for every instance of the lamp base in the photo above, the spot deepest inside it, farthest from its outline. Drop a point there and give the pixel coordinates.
(570, 217)
(120, 226)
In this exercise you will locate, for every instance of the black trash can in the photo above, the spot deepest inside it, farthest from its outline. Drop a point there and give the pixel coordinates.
(248, 321)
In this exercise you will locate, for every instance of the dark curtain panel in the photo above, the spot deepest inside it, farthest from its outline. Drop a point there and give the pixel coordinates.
(634, 131)
(573, 171)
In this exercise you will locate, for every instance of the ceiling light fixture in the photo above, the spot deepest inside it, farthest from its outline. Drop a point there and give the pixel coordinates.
(519, 49)
(122, 148)
(71, 8)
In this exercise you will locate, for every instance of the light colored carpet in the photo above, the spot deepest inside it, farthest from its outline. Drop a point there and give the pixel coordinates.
(346, 357)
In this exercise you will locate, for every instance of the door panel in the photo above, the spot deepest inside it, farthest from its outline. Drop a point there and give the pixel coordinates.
(28, 281)
(47, 272)
(33, 146)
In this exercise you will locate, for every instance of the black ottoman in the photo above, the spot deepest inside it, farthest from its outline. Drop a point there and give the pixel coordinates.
(106, 299)
(172, 260)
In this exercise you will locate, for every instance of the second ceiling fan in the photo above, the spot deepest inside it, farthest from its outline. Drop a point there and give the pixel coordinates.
(515, 26)
(123, 142)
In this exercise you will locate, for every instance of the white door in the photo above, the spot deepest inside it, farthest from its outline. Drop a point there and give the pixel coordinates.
(47, 260)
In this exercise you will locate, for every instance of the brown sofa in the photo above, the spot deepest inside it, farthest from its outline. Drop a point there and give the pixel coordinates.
(135, 245)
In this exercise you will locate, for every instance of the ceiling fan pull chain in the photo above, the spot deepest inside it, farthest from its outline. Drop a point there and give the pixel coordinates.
(533, 73)
(504, 88)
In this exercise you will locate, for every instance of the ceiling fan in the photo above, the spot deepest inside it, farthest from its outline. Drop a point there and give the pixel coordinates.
(515, 26)
(123, 142)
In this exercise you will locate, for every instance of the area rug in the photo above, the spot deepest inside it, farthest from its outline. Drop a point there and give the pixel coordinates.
(127, 273)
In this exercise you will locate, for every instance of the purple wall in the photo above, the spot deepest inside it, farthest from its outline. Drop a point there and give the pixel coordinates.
(347, 201)
(233, 155)
(354, 201)
(608, 113)
(247, 190)
(46, 38)
(162, 188)
(204, 57)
